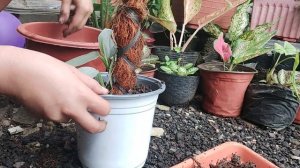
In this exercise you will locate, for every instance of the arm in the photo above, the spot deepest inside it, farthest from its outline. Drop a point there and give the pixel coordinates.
(51, 88)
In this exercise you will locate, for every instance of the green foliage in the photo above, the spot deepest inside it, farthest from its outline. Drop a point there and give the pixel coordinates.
(174, 67)
(286, 52)
(102, 14)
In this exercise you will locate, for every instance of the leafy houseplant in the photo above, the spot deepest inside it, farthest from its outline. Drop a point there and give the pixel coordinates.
(132, 98)
(221, 80)
(275, 102)
(191, 8)
(181, 81)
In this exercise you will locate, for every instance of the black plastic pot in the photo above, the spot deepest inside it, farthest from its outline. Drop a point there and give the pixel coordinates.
(270, 106)
(187, 56)
(179, 89)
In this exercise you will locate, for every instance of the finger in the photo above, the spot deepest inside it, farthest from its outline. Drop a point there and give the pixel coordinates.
(88, 122)
(91, 83)
(77, 22)
(65, 11)
(98, 105)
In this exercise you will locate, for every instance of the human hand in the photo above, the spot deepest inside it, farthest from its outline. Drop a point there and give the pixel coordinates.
(82, 9)
(52, 88)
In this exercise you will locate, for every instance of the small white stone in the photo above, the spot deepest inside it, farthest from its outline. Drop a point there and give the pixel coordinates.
(18, 164)
(163, 107)
(39, 125)
(157, 132)
(15, 130)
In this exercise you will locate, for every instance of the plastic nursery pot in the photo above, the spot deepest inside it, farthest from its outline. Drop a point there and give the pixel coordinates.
(47, 37)
(148, 71)
(125, 141)
(223, 91)
(226, 150)
(270, 106)
(179, 89)
(187, 56)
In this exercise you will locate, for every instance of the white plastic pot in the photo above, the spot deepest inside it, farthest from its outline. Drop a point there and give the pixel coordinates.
(125, 141)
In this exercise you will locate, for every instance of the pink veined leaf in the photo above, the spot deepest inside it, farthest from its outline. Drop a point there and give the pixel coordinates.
(191, 8)
(222, 48)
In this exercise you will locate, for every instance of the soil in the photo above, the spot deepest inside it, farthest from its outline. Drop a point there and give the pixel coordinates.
(188, 132)
(234, 162)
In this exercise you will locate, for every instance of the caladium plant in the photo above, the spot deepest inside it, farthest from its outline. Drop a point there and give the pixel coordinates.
(175, 68)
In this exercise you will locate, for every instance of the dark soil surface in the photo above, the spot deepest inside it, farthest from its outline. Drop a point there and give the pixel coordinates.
(188, 131)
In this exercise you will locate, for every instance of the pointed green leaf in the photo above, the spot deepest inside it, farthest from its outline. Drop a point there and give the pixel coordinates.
(166, 70)
(289, 49)
(107, 44)
(90, 71)
(182, 71)
(279, 49)
(83, 59)
(192, 70)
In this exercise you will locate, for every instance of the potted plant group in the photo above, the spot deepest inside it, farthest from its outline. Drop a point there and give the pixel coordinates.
(273, 103)
(224, 84)
(177, 48)
(181, 81)
(125, 141)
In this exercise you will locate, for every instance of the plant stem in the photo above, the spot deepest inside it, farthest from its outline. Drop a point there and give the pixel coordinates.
(174, 38)
(231, 67)
(181, 35)
(209, 18)
(171, 41)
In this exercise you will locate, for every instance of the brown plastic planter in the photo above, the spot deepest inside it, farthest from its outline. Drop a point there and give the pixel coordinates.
(223, 91)
(285, 15)
(207, 7)
(47, 37)
(225, 150)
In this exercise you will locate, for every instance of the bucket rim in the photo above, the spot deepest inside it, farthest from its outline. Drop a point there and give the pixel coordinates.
(204, 67)
(23, 30)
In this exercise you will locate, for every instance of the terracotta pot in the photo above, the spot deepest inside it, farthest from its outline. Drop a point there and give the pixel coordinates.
(3, 4)
(284, 14)
(148, 71)
(226, 150)
(47, 37)
(223, 91)
(297, 119)
(207, 7)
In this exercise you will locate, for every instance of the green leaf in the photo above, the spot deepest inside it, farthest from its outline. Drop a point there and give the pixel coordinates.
(90, 71)
(251, 54)
(279, 49)
(165, 16)
(188, 65)
(83, 59)
(173, 66)
(191, 8)
(100, 79)
(182, 71)
(107, 44)
(166, 69)
(289, 49)
(213, 29)
(167, 58)
(192, 70)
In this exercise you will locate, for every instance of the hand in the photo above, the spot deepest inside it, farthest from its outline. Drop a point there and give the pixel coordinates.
(52, 88)
(83, 10)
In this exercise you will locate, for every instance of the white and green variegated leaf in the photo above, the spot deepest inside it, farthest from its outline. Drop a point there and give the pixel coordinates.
(90, 71)
(279, 48)
(289, 49)
(191, 8)
(107, 44)
(83, 59)
(251, 54)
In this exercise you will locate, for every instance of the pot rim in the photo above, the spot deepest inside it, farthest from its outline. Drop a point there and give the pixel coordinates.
(194, 75)
(22, 29)
(203, 67)
(161, 87)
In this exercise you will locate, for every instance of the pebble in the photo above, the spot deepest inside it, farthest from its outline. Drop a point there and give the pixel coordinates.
(163, 107)
(5, 123)
(296, 152)
(18, 164)
(15, 130)
(157, 132)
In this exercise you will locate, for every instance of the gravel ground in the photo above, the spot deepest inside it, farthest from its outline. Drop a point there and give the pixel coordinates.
(188, 131)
